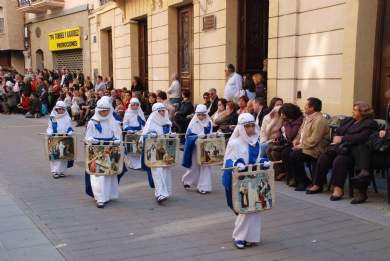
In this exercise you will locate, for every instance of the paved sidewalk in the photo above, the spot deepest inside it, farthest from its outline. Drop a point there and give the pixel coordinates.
(189, 226)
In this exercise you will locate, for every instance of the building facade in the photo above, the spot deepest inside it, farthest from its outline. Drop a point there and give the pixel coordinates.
(58, 34)
(11, 36)
(330, 49)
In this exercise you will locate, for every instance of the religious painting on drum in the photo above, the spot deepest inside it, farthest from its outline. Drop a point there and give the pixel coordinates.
(60, 148)
(104, 160)
(161, 152)
(133, 146)
(253, 191)
(210, 151)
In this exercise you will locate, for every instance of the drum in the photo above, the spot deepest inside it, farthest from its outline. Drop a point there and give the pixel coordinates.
(210, 151)
(253, 191)
(161, 152)
(104, 160)
(132, 144)
(60, 148)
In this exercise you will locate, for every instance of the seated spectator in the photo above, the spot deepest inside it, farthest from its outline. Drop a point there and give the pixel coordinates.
(9, 99)
(186, 108)
(83, 95)
(152, 99)
(68, 101)
(292, 118)
(119, 107)
(258, 79)
(110, 84)
(310, 142)
(88, 83)
(248, 88)
(249, 106)
(114, 95)
(242, 101)
(260, 110)
(35, 106)
(86, 110)
(162, 98)
(220, 118)
(356, 130)
(206, 99)
(77, 97)
(233, 117)
(214, 101)
(271, 124)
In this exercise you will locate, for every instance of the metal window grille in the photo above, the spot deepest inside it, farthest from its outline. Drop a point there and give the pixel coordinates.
(103, 2)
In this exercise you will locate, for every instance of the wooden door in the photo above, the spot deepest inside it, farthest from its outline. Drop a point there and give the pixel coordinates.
(186, 49)
(381, 79)
(143, 52)
(252, 35)
(110, 58)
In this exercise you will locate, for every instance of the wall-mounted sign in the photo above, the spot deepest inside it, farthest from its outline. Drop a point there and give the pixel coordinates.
(65, 39)
(208, 22)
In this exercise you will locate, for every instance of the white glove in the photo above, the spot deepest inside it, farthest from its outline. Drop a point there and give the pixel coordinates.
(49, 134)
(95, 141)
(153, 135)
(201, 135)
(70, 133)
(240, 166)
(130, 132)
(117, 142)
(267, 164)
(172, 135)
(219, 134)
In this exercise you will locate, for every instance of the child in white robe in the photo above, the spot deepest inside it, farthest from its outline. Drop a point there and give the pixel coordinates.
(159, 178)
(134, 120)
(103, 127)
(243, 149)
(59, 123)
(196, 175)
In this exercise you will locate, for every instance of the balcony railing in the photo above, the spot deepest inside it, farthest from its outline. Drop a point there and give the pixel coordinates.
(103, 2)
(37, 6)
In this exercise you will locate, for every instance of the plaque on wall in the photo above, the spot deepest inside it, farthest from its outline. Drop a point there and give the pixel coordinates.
(209, 22)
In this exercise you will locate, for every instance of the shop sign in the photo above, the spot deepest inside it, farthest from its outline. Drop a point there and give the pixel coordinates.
(65, 39)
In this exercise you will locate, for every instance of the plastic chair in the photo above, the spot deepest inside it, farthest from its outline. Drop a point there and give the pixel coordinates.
(382, 124)
(327, 116)
(337, 119)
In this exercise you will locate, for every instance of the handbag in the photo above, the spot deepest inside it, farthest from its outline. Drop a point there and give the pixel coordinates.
(380, 144)
(279, 145)
(342, 148)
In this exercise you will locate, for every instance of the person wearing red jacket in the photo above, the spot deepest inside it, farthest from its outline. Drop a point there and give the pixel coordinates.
(23, 106)
(126, 102)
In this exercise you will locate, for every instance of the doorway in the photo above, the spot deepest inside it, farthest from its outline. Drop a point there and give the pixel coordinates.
(186, 48)
(381, 79)
(143, 52)
(252, 35)
(39, 60)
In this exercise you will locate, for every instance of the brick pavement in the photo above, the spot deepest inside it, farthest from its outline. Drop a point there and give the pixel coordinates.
(188, 226)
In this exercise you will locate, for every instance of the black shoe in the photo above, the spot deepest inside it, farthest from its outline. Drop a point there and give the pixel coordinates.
(100, 205)
(363, 175)
(310, 192)
(293, 185)
(336, 198)
(80, 124)
(302, 186)
(181, 149)
(361, 198)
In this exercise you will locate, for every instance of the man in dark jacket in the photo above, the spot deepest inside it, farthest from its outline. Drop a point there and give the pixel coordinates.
(214, 101)
(80, 78)
(260, 109)
(186, 108)
(35, 106)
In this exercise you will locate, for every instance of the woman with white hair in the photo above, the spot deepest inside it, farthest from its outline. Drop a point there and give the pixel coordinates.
(59, 123)
(103, 127)
(199, 176)
(134, 120)
(159, 178)
(243, 149)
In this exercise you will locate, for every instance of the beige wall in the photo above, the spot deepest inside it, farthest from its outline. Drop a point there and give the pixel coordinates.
(59, 23)
(323, 49)
(13, 37)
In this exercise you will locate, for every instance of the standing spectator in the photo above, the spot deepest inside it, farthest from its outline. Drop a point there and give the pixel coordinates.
(214, 102)
(248, 88)
(80, 77)
(88, 83)
(16, 89)
(40, 86)
(46, 75)
(27, 86)
(35, 106)
(137, 85)
(68, 77)
(110, 84)
(260, 109)
(34, 83)
(175, 90)
(258, 79)
(264, 73)
(56, 91)
(310, 142)
(114, 95)
(85, 110)
(100, 86)
(68, 101)
(138, 95)
(233, 84)
(44, 98)
(162, 98)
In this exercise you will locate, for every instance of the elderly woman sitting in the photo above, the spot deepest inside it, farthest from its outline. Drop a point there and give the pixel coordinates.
(220, 118)
(355, 130)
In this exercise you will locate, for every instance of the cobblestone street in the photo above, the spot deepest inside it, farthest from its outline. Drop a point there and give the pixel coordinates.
(42, 218)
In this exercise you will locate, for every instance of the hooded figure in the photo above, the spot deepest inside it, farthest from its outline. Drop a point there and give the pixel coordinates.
(196, 175)
(59, 123)
(159, 178)
(103, 126)
(134, 120)
(243, 149)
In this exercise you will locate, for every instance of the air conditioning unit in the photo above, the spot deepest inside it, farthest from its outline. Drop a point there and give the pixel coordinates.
(26, 53)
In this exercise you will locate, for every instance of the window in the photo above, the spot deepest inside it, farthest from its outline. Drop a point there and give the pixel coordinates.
(103, 2)
(2, 29)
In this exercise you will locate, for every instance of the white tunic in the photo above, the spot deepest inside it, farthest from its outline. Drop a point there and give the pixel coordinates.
(63, 124)
(104, 187)
(247, 226)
